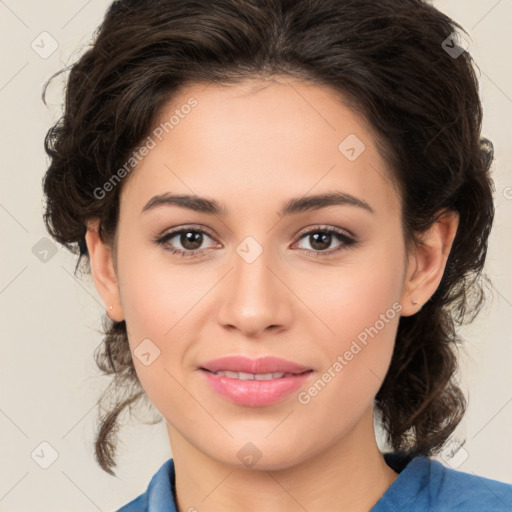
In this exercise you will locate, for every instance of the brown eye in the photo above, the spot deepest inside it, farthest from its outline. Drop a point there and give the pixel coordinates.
(188, 241)
(321, 239)
(191, 240)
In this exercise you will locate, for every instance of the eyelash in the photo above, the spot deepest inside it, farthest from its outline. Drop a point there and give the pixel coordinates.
(342, 237)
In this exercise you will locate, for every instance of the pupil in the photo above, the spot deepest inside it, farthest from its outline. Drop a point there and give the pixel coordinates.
(191, 240)
(325, 239)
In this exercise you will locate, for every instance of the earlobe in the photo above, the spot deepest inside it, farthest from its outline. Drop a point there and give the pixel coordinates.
(427, 262)
(103, 271)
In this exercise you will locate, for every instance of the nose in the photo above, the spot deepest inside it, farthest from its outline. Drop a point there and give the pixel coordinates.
(254, 298)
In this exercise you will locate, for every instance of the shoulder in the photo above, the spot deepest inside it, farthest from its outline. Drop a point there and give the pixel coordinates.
(159, 495)
(428, 485)
(468, 491)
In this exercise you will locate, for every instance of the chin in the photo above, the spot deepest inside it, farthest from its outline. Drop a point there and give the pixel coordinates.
(260, 456)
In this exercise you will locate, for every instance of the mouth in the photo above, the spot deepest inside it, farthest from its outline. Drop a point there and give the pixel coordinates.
(254, 389)
(255, 376)
(254, 382)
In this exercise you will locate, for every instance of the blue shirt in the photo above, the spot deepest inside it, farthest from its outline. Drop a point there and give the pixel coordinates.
(423, 485)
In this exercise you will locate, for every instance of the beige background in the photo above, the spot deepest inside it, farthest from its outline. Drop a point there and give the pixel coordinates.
(49, 384)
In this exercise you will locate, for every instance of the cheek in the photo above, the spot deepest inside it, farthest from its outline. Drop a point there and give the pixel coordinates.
(355, 366)
(159, 302)
(154, 293)
(360, 306)
(356, 296)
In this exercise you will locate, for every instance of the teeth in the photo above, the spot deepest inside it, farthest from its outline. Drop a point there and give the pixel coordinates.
(268, 376)
(252, 376)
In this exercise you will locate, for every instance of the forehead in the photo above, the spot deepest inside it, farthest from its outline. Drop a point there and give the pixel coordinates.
(263, 138)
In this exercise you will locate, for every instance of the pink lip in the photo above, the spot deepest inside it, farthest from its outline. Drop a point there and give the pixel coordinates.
(255, 393)
(266, 364)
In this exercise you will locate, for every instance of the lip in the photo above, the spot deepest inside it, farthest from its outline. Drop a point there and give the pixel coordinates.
(267, 364)
(255, 393)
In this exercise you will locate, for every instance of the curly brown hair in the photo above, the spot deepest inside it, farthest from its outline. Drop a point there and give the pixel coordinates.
(389, 60)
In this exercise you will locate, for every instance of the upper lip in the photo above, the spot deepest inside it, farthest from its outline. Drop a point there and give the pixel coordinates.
(267, 364)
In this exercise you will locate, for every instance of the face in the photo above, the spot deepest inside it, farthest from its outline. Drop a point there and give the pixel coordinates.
(257, 278)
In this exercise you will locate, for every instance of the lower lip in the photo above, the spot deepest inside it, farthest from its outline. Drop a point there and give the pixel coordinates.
(255, 393)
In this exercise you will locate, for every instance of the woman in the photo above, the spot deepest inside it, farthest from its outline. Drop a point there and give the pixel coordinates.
(285, 206)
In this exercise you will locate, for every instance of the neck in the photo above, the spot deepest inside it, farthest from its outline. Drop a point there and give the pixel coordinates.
(351, 475)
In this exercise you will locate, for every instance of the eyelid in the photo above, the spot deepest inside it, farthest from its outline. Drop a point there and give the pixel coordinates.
(326, 227)
(191, 227)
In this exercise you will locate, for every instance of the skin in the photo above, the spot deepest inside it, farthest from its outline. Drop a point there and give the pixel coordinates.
(253, 146)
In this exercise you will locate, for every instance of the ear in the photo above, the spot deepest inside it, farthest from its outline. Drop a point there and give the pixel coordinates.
(427, 261)
(103, 271)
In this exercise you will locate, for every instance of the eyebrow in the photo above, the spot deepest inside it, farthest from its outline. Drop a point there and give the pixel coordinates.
(296, 205)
